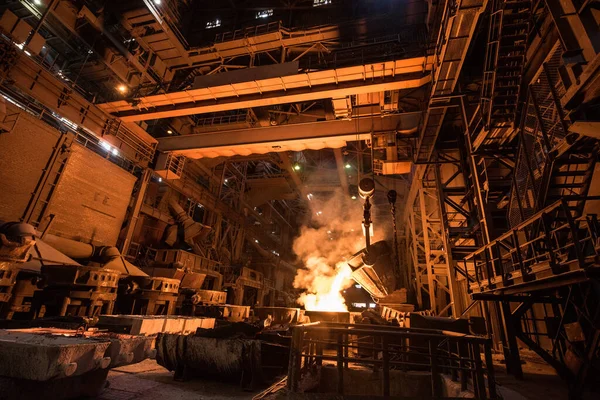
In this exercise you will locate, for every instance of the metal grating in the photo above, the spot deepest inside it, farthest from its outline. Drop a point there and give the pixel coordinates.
(542, 128)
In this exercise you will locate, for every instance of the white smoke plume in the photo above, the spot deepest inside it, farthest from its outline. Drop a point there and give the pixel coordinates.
(335, 235)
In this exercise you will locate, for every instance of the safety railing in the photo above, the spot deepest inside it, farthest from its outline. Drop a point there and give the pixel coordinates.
(74, 103)
(248, 32)
(238, 117)
(389, 351)
(83, 137)
(550, 240)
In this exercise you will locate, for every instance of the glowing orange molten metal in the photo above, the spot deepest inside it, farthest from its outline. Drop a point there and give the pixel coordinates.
(323, 284)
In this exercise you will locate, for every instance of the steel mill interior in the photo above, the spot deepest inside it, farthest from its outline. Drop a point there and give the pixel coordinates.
(299, 199)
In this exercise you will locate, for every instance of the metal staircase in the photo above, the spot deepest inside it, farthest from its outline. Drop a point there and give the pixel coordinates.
(504, 62)
(458, 27)
(572, 176)
(542, 171)
(548, 268)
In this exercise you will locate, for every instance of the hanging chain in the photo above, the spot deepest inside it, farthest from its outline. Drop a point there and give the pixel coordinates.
(391, 195)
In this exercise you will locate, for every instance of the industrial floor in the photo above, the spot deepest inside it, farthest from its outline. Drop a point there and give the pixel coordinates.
(149, 381)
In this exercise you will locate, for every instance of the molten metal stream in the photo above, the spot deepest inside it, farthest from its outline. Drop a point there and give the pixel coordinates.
(325, 290)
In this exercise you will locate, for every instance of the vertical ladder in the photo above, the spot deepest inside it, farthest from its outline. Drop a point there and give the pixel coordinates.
(51, 174)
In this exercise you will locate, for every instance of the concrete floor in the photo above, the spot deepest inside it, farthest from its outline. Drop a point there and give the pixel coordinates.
(149, 381)
(540, 381)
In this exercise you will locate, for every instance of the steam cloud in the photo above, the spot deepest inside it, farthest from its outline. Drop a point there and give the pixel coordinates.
(336, 235)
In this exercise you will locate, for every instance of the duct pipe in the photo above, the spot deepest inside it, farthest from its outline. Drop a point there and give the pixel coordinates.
(108, 256)
(191, 228)
(70, 248)
(272, 257)
(409, 131)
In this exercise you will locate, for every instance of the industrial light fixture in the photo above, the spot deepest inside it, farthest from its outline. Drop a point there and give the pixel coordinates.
(213, 24)
(169, 131)
(157, 2)
(297, 167)
(105, 145)
(264, 13)
(37, 2)
(353, 197)
(160, 179)
(122, 88)
(348, 166)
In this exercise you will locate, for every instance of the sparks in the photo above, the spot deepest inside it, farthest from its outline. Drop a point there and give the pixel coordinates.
(324, 290)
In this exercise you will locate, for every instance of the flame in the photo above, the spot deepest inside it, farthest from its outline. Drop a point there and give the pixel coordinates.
(323, 284)
(324, 242)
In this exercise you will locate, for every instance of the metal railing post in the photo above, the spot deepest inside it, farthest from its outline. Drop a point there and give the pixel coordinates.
(435, 392)
(386, 366)
(340, 363)
(479, 384)
(489, 364)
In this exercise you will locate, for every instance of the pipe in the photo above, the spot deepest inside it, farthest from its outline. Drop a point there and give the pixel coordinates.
(109, 256)
(191, 228)
(409, 131)
(80, 250)
(71, 248)
(272, 257)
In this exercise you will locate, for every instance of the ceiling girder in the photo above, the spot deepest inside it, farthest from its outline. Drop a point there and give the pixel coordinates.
(295, 137)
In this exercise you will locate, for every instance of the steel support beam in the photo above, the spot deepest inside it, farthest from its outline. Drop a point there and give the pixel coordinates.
(135, 211)
(586, 128)
(392, 75)
(32, 79)
(268, 99)
(296, 137)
